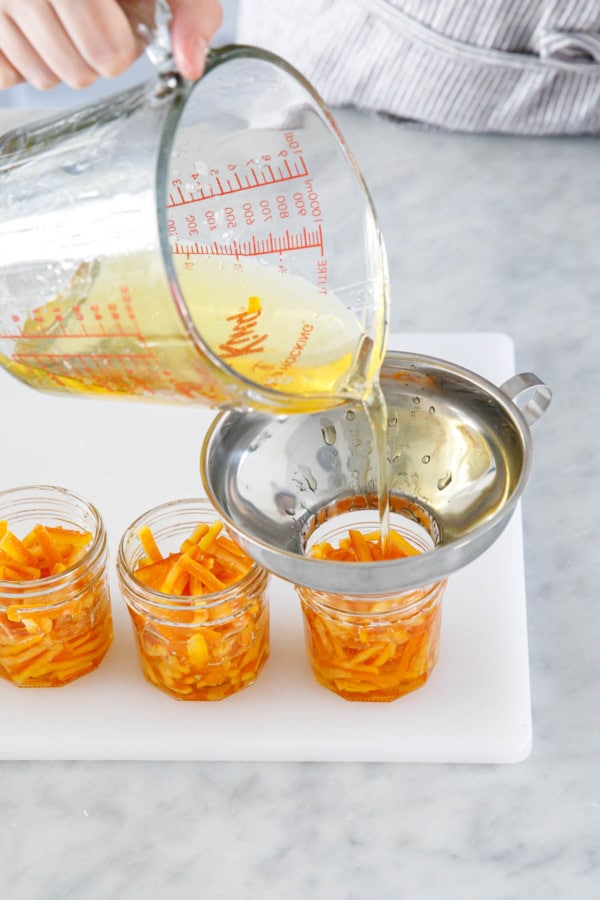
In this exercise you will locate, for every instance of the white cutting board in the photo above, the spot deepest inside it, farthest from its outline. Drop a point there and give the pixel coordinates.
(126, 457)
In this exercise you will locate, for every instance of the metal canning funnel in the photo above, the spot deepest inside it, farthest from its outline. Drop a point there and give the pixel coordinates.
(460, 454)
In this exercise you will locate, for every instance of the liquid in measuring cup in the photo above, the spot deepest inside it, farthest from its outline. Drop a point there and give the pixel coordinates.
(276, 331)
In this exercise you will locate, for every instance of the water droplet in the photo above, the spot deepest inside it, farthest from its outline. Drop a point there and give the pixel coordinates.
(329, 434)
(77, 168)
(350, 415)
(416, 401)
(412, 412)
(392, 422)
(425, 459)
(444, 481)
(431, 410)
(285, 502)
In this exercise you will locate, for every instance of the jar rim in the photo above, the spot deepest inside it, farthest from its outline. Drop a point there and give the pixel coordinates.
(158, 600)
(172, 602)
(11, 591)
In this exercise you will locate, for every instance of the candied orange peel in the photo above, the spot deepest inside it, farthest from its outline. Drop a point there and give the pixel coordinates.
(371, 649)
(43, 552)
(204, 648)
(359, 547)
(206, 562)
(51, 642)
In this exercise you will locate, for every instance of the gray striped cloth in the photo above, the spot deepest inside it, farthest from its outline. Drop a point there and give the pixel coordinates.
(515, 66)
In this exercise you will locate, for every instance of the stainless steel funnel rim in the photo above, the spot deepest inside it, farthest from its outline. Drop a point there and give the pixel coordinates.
(359, 578)
(385, 576)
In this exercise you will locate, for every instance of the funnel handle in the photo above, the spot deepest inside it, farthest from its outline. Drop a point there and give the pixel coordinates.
(531, 395)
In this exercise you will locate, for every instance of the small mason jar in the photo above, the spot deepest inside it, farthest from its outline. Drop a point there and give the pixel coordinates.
(203, 647)
(375, 646)
(56, 628)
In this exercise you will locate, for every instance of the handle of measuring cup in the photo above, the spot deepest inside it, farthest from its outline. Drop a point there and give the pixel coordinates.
(159, 49)
(156, 35)
(531, 395)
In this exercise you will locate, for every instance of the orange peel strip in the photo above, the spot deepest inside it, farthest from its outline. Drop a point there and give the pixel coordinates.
(149, 544)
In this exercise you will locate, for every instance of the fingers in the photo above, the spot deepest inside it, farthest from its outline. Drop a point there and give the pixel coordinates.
(9, 76)
(46, 42)
(40, 48)
(22, 57)
(192, 29)
(102, 33)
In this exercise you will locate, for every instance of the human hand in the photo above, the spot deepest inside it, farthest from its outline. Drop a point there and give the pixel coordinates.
(45, 42)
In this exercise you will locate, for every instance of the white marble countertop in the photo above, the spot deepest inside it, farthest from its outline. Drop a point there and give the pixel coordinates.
(483, 234)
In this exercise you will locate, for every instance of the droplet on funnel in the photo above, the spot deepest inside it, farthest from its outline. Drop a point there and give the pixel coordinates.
(444, 481)
(329, 434)
(77, 168)
(425, 459)
(350, 415)
(431, 410)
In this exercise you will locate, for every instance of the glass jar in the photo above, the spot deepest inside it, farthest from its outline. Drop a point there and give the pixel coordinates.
(203, 647)
(373, 646)
(55, 629)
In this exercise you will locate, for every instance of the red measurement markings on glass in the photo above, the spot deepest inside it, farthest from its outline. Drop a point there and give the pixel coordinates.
(307, 239)
(89, 361)
(81, 321)
(112, 372)
(238, 178)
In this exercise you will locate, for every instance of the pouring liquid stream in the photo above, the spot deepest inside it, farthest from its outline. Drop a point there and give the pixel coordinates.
(367, 390)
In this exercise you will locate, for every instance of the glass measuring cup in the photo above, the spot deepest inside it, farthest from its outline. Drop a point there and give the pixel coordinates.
(209, 242)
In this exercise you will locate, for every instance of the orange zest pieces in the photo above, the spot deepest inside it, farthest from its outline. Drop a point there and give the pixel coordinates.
(400, 546)
(205, 563)
(50, 642)
(15, 550)
(149, 544)
(206, 647)
(359, 547)
(43, 552)
(379, 661)
(363, 649)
